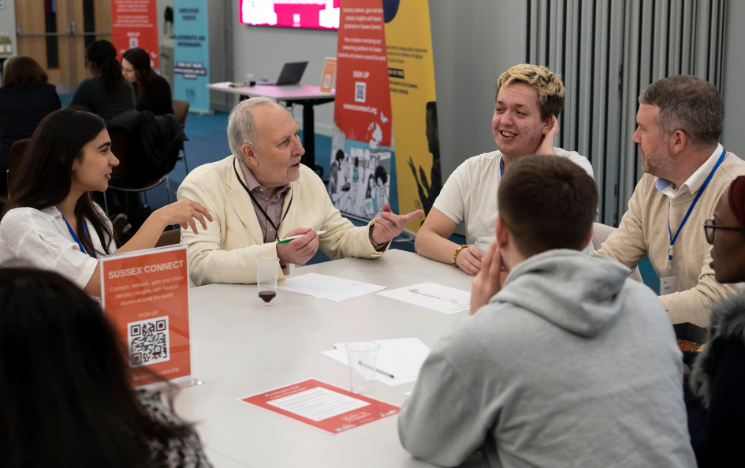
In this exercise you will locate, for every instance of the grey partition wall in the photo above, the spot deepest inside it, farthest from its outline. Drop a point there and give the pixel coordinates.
(607, 52)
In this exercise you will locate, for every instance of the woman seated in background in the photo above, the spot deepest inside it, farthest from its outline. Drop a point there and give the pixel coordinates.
(152, 91)
(51, 222)
(716, 406)
(65, 395)
(107, 94)
(25, 99)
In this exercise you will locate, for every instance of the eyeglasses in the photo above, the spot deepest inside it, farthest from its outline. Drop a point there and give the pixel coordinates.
(710, 228)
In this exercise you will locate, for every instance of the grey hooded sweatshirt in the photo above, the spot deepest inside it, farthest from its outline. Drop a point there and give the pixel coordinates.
(570, 365)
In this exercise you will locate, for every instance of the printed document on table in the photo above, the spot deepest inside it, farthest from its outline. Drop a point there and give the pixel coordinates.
(402, 358)
(328, 287)
(318, 404)
(432, 296)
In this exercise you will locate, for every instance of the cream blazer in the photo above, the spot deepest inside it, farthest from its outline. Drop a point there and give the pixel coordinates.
(225, 252)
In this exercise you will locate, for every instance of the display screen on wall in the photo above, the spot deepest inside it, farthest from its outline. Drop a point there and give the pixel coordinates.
(318, 14)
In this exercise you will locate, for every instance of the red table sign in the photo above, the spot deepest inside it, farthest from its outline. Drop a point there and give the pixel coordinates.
(323, 406)
(146, 295)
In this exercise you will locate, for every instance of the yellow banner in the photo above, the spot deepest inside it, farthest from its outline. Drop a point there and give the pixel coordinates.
(413, 103)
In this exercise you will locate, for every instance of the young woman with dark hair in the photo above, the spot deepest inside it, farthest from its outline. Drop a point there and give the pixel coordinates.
(107, 94)
(25, 99)
(152, 91)
(715, 394)
(51, 222)
(65, 394)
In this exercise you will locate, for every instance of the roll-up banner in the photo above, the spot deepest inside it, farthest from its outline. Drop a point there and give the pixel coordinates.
(191, 54)
(134, 23)
(385, 86)
(411, 73)
(362, 140)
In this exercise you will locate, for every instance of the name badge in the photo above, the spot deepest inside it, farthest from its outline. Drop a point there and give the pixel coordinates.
(668, 281)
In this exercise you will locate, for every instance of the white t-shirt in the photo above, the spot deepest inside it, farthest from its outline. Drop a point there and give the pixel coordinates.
(470, 194)
(40, 239)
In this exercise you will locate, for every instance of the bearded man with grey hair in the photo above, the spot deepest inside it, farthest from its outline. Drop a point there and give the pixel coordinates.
(260, 194)
(686, 170)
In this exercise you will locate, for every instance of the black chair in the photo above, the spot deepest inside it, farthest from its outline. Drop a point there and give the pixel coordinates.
(124, 180)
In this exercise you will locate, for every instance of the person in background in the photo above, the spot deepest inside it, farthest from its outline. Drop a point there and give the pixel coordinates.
(152, 91)
(686, 171)
(567, 362)
(51, 222)
(65, 397)
(262, 193)
(25, 99)
(528, 102)
(107, 94)
(716, 394)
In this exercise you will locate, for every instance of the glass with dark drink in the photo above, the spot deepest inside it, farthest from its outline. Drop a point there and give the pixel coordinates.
(267, 269)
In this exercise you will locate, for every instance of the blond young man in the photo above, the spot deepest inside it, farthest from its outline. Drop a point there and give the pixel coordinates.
(686, 171)
(529, 98)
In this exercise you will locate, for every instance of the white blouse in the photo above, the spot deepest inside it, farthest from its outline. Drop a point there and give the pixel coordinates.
(40, 239)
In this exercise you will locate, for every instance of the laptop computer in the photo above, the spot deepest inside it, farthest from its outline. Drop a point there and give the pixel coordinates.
(290, 75)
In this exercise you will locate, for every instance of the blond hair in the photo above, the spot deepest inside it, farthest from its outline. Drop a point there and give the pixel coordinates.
(548, 85)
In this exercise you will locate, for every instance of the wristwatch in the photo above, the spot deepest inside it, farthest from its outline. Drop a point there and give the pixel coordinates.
(457, 251)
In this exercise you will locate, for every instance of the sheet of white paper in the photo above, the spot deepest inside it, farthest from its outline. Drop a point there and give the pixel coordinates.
(402, 358)
(432, 296)
(318, 404)
(408, 393)
(328, 287)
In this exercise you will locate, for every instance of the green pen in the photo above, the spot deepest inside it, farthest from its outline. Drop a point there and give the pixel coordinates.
(288, 239)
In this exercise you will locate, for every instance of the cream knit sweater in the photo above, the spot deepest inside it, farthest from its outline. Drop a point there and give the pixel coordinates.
(643, 231)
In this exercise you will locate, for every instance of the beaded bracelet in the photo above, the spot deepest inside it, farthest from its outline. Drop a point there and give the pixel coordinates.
(457, 251)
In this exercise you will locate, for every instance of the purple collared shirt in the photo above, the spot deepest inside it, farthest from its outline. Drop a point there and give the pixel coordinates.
(271, 205)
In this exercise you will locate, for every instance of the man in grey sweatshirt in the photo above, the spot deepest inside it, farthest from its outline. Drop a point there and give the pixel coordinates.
(564, 363)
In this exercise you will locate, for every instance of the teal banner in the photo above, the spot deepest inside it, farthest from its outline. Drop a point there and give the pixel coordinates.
(191, 68)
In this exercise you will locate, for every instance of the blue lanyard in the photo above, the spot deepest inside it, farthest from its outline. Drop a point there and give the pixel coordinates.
(72, 233)
(501, 168)
(690, 209)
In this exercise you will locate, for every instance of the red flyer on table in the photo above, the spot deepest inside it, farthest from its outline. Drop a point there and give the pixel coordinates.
(323, 406)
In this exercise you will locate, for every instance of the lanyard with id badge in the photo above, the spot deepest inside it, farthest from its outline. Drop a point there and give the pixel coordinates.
(669, 276)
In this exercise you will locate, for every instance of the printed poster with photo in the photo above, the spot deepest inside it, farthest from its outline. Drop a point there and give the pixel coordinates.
(146, 296)
(362, 139)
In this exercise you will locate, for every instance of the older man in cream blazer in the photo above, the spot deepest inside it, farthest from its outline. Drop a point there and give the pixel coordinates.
(261, 193)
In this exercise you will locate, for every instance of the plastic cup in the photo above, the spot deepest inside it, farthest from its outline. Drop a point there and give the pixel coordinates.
(363, 358)
(483, 243)
(267, 269)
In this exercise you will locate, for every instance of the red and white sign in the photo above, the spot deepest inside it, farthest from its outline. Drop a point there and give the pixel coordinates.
(146, 296)
(134, 23)
(323, 406)
(329, 72)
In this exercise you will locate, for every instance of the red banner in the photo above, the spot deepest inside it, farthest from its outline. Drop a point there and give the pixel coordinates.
(363, 103)
(134, 23)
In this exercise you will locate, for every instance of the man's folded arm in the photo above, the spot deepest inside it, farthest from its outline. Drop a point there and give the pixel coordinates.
(626, 244)
(694, 305)
(440, 422)
(208, 263)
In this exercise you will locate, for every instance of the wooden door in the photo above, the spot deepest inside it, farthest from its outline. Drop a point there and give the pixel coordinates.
(54, 34)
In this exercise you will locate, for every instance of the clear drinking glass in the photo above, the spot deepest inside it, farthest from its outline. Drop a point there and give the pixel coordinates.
(483, 243)
(267, 269)
(363, 357)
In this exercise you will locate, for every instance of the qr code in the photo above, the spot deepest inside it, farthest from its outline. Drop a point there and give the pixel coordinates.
(148, 341)
(360, 90)
(133, 42)
(327, 81)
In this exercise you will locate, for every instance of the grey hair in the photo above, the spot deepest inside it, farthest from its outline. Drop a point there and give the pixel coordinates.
(241, 124)
(689, 104)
